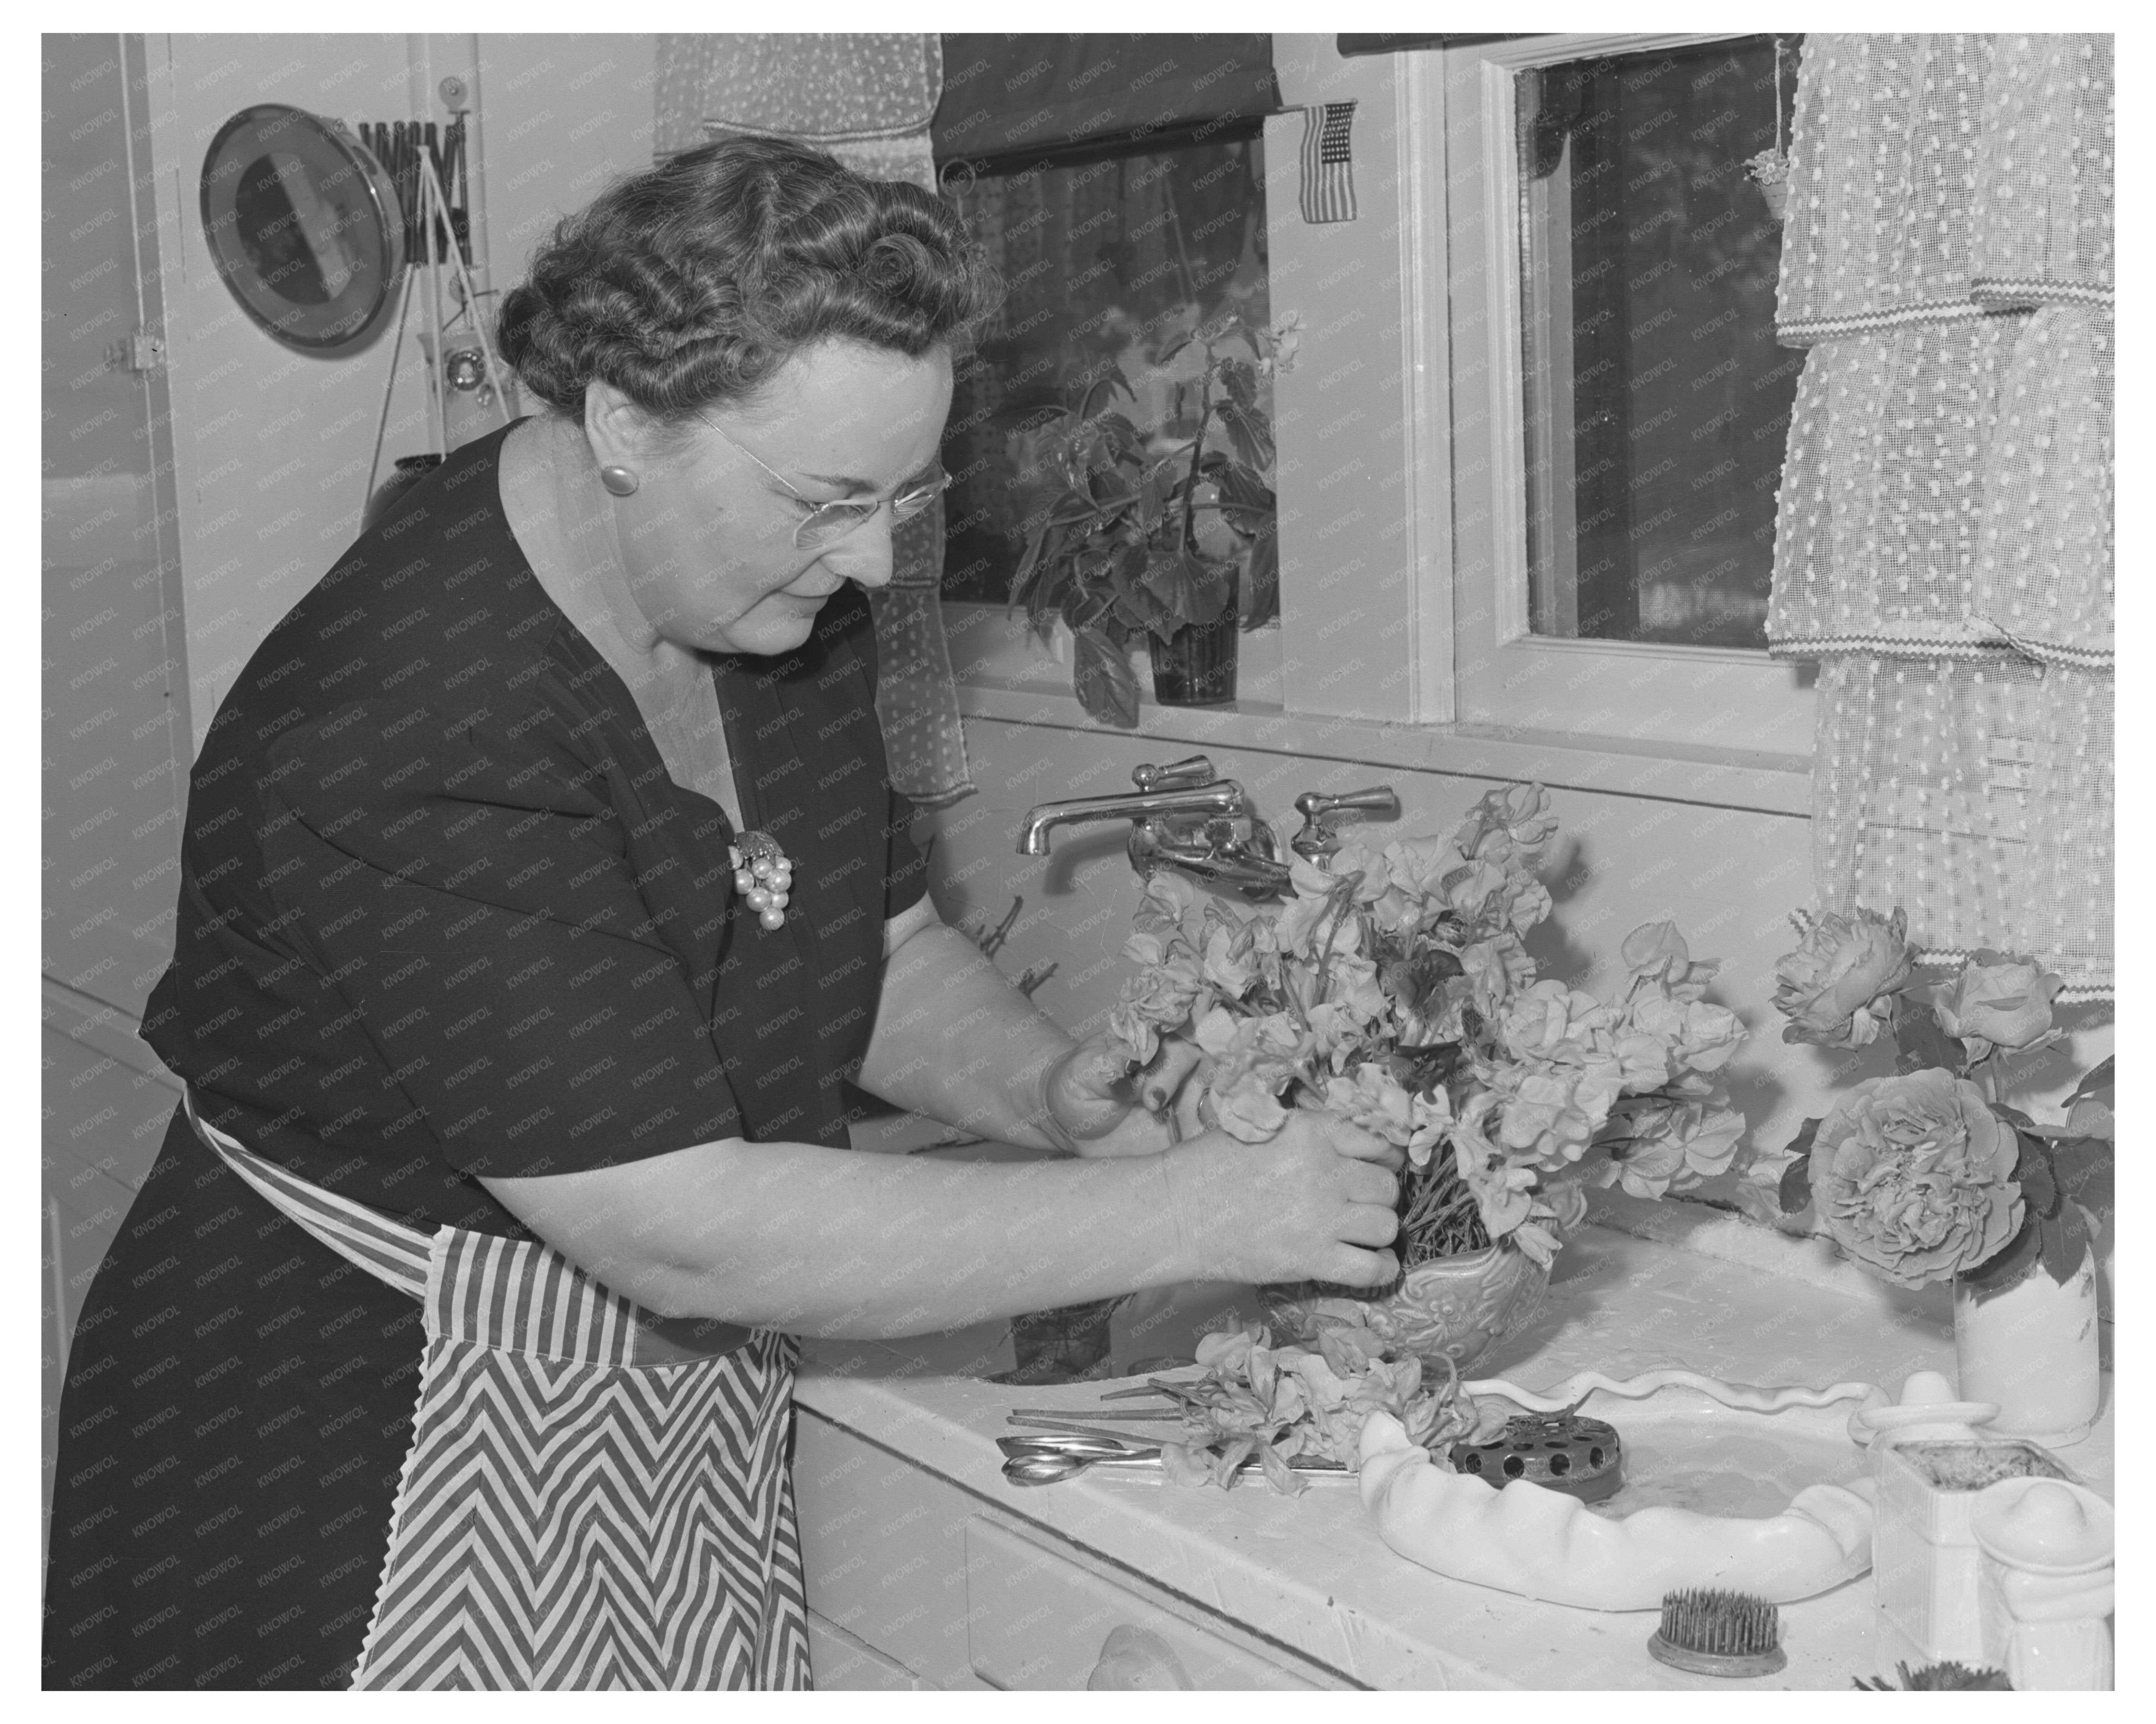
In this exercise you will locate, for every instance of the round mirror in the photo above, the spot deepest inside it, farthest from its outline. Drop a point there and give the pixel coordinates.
(303, 225)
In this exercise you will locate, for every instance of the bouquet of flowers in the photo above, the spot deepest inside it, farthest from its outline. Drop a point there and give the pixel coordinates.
(1395, 990)
(1925, 1175)
(1278, 1402)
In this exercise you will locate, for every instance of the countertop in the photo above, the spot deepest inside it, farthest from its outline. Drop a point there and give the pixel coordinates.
(1311, 1573)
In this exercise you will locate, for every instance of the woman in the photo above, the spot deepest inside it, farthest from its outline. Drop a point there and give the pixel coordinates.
(542, 893)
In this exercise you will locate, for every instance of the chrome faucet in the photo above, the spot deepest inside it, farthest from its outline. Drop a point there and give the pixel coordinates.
(1182, 817)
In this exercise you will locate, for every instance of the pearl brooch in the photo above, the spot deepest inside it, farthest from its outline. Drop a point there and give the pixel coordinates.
(763, 875)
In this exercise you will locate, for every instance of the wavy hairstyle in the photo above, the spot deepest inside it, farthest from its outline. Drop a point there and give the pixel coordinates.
(690, 284)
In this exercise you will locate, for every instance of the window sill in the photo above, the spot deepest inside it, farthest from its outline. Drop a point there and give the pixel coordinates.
(1007, 676)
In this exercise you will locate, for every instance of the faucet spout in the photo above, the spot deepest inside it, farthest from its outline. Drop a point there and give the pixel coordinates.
(1225, 797)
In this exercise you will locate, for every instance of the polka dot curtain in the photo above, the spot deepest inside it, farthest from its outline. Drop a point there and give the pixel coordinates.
(1943, 540)
(868, 99)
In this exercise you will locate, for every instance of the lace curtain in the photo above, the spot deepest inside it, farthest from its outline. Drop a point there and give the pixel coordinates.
(1943, 536)
(867, 98)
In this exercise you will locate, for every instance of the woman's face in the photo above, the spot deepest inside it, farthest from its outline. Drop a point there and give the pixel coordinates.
(707, 540)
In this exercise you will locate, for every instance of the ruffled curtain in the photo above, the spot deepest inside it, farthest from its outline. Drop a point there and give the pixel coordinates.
(867, 98)
(1943, 536)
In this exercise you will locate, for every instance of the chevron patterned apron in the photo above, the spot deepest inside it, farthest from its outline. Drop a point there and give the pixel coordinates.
(567, 1518)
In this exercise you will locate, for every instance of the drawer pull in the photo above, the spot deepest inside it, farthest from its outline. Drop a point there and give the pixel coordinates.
(1133, 1657)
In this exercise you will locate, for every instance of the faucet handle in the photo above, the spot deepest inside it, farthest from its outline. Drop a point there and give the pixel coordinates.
(1179, 775)
(1317, 838)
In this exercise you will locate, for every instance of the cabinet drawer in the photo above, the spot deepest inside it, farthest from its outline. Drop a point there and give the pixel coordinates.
(1036, 1618)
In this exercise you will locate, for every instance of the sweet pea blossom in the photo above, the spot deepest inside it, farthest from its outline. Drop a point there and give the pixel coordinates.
(1673, 1147)
(1551, 1021)
(1553, 1111)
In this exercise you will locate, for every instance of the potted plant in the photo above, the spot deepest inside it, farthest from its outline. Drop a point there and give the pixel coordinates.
(1395, 990)
(1152, 531)
(1924, 1176)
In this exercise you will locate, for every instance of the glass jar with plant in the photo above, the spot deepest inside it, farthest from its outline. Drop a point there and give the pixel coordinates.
(1156, 530)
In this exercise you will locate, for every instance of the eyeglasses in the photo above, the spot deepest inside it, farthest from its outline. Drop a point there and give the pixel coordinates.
(826, 523)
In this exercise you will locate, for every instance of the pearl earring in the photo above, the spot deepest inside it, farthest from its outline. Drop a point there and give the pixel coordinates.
(620, 480)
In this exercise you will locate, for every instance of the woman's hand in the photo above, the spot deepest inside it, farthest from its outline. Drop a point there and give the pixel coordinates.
(1102, 1108)
(1313, 1203)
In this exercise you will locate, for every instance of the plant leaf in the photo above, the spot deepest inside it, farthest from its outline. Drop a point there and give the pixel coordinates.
(1239, 378)
(2084, 1168)
(1796, 1188)
(2097, 1081)
(1212, 585)
(1240, 488)
(1261, 596)
(1168, 580)
(2009, 1267)
(1126, 437)
(2063, 1239)
(1106, 685)
(2032, 1171)
(1920, 1044)
(1248, 432)
(1028, 566)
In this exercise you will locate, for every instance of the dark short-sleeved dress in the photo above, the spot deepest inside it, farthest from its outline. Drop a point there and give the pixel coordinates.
(443, 914)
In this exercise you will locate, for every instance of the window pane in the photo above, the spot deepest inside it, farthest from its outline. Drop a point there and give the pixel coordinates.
(1657, 402)
(1109, 259)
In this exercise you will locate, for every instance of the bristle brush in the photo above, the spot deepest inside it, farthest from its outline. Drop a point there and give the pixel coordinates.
(1718, 1633)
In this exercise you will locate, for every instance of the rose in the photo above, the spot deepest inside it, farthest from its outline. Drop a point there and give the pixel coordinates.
(1836, 988)
(1913, 1177)
(1998, 1002)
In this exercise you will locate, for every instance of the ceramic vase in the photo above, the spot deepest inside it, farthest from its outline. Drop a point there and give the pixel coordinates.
(1454, 1308)
(2030, 1347)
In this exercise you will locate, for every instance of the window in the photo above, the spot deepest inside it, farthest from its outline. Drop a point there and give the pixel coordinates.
(1613, 265)
(1110, 259)
(1648, 269)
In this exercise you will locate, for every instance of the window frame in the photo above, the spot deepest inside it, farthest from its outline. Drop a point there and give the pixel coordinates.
(1390, 346)
(1645, 693)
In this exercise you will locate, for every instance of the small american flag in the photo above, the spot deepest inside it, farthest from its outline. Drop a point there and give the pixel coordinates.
(1328, 166)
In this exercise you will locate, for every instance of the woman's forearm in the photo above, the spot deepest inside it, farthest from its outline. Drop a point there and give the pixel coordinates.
(955, 1040)
(828, 1241)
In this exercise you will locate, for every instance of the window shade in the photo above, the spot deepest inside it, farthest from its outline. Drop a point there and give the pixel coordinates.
(1013, 101)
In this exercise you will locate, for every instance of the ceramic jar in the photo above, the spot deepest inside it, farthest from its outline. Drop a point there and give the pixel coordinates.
(2046, 1590)
(2030, 1347)
(1452, 1307)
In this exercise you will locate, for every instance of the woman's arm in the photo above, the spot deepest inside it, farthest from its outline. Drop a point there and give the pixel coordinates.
(827, 1242)
(955, 1040)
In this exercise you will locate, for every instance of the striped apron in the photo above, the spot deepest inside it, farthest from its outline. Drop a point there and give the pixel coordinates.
(565, 1518)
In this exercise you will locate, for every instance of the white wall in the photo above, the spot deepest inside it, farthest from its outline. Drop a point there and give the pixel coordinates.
(273, 446)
